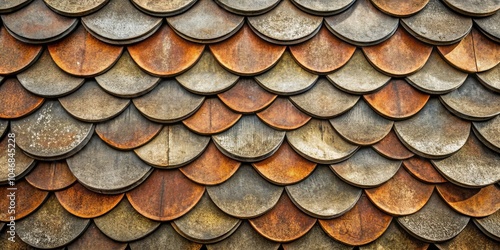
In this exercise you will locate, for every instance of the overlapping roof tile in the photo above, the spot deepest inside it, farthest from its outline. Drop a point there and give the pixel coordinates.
(216, 124)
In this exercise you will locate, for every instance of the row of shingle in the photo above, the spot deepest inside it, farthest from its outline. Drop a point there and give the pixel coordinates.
(211, 216)
(205, 21)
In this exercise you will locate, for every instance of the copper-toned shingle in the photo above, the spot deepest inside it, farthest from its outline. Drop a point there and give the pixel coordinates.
(361, 125)
(323, 195)
(397, 100)
(470, 238)
(15, 55)
(165, 195)
(90, 103)
(352, 25)
(21, 162)
(168, 102)
(165, 53)
(285, 24)
(125, 224)
(316, 238)
(213, 117)
(247, 97)
(317, 141)
(129, 26)
(423, 170)
(75, 8)
(285, 166)
(358, 76)
(246, 7)
(174, 146)
(51, 133)
(163, 7)
(323, 53)
(474, 165)
(207, 77)
(437, 76)
(324, 100)
(51, 176)
(474, 8)
(490, 225)
(12, 5)
(93, 238)
(392, 147)
(44, 78)
(400, 55)
(36, 23)
(84, 203)
(398, 8)
(323, 7)
(287, 77)
(474, 202)
(51, 226)
(283, 115)
(284, 222)
(26, 200)
(437, 25)
(395, 238)
(246, 54)
(211, 168)
(246, 194)
(104, 169)
(488, 25)
(206, 22)
(16, 101)
(366, 168)
(249, 140)
(126, 79)
(129, 130)
(206, 223)
(463, 55)
(472, 101)
(435, 222)
(165, 237)
(490, 78)
(401, 195)
(488, 132)
(245, 237)
(81, 54)
(352, 229)
(429, 137)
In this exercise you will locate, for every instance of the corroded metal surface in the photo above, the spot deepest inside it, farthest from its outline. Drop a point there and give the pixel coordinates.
(51, 176)
(283, 115)
(350, 229)
(26, 201)
(165, 238)
(16, 101)
(323, 195)
(284, 222)
(15, 55)
(398, 8)
(245, 195)
(244, 237)
(323, 7)
(401, 195)
(474, 8)
(246, 97)
(423, 170)
(245, 7)
(163, 7)
(94, 238)
(80, 54)
(316, 238)
(392, 147)
(22, 162)
(397, 100)
(174, 146)
(323, 53)
(75, 8)
(477, 202)
(165, 195)
(213, 117)
(488, 132)
(490, 225)
(165, 53)
(395, 238)
(82, 202)
(490, 78)
(285, 166)
(211, 168)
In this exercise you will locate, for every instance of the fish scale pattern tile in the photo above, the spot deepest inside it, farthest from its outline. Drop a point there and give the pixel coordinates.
(269, 124)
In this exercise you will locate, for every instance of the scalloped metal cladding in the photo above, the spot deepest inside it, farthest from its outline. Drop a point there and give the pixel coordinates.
(264, 124)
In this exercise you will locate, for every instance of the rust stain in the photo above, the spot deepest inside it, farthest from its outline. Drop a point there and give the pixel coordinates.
(423, 170)
(15, 55)
(51, 176)
(247, 97)
(27, 200)
(16, 101)
(283, 115)
(474, 202)
(213, 117)
(400, 8)
(93, 238)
